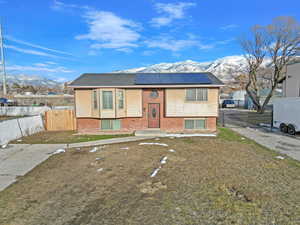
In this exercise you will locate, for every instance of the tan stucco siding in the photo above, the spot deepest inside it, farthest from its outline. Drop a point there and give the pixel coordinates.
(133, 99)
(176, 105)
(83, 101)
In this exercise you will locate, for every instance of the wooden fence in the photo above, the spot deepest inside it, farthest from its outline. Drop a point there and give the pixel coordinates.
(57, 120)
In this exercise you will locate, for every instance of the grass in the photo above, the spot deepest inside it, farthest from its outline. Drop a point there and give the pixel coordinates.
(207, 181)
(58, 137)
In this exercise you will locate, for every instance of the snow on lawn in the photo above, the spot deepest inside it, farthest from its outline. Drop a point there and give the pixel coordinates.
(58, 151)
(153, 174)
(94, 149)
(164, 160)
(190, 135)
(153, 143)
(124, 148)
(172, 150)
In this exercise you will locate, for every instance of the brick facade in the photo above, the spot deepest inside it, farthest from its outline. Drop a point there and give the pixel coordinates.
(169, 124)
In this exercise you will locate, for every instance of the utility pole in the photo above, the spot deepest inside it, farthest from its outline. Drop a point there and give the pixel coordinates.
(2, 62)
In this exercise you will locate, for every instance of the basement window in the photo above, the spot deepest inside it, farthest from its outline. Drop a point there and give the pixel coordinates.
(196, 124)
(110, 124)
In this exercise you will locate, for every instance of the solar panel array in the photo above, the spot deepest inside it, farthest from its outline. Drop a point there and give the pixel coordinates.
(169, 78)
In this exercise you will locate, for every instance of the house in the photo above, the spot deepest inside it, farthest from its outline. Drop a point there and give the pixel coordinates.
(291, 84)
(171, 102)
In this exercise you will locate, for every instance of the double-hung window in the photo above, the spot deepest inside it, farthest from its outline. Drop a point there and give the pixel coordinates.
(121, 99)
(107, 100)
(196, 94)
(95, 100)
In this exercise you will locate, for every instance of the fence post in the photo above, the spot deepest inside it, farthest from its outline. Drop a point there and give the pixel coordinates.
(272, 118)
(223, 119)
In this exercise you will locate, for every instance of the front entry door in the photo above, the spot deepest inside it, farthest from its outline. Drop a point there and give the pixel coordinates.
(153, 115)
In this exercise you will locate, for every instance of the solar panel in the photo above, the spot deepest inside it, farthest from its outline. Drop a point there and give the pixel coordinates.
(172, 78)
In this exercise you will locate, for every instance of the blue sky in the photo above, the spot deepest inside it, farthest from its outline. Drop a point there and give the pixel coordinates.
(60, 39)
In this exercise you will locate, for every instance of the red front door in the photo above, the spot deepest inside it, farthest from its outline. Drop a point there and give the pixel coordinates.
(153, 115)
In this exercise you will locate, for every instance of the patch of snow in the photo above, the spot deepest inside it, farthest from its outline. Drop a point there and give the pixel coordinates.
(153, 143)
(243, 138)
(279, 157)
(153, 174)
(4, 145)
(94, 149)
(19, 140)
(100, 170)
(172, 150)
(97, 159)
(190, 135)
(156, 139)
(58, 151)
(164, 160)
(124, 148)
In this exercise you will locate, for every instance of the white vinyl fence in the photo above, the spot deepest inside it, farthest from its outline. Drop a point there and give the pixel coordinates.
(23, 110)
(17, 128)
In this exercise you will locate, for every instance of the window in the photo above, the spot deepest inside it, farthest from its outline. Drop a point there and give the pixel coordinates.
(107, 100)
(196, 94)
(154, 94)
(110, 124)
(121, 99)
(195, 124)
(95, 102)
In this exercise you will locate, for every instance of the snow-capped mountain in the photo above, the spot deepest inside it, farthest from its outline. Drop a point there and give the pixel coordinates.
(34, 80)
(224, 68)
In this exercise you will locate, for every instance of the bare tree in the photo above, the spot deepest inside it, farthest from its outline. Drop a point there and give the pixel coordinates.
(278, 43)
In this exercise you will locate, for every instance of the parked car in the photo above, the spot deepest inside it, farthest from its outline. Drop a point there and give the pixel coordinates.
(228, 104)
(3, 101)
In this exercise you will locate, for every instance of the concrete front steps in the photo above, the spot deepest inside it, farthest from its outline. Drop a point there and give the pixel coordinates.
(150, 133)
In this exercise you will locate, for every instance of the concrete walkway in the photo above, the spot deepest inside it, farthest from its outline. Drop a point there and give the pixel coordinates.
(18, 159)
(272, 140)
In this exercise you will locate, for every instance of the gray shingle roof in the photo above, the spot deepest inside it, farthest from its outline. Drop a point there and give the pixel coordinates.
(123, 79)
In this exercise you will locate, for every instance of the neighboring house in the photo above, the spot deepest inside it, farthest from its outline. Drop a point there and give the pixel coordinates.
(172, 102)
(291, 85)
(263, 93)
(238, 97)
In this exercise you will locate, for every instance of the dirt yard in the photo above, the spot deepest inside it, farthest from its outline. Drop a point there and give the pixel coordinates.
(58, 137)
(206, 181)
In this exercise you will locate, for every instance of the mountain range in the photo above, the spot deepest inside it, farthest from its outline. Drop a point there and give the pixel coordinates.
(224, 68)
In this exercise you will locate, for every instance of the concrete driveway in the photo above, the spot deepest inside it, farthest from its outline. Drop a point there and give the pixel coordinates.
(276, 141)
(18, 159)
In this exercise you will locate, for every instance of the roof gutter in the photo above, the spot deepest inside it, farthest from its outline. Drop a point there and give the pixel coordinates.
(150, 86)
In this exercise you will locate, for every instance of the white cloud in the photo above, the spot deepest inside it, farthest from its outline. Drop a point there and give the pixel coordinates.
(230, 27)
(170, 12)
(36, 46)
(59, 5)
(38, 68)
(30, 51)
(168, 43)
(108, 30)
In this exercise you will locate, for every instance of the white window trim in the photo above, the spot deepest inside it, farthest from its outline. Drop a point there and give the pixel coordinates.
(205, 123)
(197, 88)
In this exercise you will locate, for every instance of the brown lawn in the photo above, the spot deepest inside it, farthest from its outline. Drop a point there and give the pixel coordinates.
(224, 180)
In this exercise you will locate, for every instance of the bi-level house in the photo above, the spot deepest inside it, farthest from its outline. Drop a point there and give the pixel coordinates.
(171, 102)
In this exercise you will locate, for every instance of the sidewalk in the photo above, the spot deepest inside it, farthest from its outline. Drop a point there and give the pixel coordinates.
(275, 141)
(19, 159)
